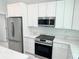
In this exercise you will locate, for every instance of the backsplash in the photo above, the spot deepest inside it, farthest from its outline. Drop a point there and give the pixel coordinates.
(53, 31)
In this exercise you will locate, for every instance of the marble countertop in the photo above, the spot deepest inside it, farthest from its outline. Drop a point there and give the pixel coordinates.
(56, 36)
(30, 36)
(6, 53)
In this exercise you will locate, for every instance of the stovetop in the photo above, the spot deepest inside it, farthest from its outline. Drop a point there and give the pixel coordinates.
(45, 37)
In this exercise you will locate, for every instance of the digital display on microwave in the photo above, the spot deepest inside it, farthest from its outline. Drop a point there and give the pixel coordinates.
(52, 22)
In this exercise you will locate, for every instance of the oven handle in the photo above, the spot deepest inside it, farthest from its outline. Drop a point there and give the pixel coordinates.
(45, 44)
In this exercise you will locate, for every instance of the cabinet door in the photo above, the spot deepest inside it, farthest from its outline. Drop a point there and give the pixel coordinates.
(59, 14)
(51, 9)
(25, 43)
(68, 13)
(42, 9)
(60, 51)
(75, 25)
(33, 15)
(29, 44)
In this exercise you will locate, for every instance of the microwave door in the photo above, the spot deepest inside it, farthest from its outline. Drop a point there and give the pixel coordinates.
(43, 22)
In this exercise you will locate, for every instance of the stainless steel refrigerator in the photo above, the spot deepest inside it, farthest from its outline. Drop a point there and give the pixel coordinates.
(15, 33)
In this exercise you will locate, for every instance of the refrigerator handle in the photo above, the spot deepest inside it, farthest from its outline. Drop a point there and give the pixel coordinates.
(13, 30)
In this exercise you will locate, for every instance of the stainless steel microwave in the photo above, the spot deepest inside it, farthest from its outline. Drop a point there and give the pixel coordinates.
(46, 21)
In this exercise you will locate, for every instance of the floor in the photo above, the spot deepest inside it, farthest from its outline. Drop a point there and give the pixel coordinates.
(35, 56)
(40, 57)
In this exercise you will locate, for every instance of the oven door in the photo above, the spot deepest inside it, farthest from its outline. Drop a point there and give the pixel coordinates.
(43, 50)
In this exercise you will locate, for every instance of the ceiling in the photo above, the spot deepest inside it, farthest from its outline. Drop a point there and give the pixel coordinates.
(28, 1)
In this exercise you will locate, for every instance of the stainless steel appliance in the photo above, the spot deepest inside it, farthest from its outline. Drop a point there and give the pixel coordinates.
(44, 45)
(46, 21)
(15, 34)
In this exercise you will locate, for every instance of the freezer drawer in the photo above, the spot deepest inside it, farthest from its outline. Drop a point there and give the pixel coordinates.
(16, 45)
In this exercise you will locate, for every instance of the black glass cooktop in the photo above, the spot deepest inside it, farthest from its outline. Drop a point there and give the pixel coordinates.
(45, 37)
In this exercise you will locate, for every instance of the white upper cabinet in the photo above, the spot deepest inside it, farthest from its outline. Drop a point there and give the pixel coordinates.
(68, 14)
(59, 14)
(51, 9)
(42, 9)
(75, 25)
(3, 6)
(33, 15)
(64, 14)
(47, 9)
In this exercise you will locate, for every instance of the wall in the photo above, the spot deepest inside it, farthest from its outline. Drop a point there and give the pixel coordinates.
(3, 12)
(4, 44)
(2, 28)
(14, 9)
(54, 31)
(3, 6)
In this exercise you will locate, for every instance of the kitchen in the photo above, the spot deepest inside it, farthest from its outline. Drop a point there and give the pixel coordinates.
(65, 26)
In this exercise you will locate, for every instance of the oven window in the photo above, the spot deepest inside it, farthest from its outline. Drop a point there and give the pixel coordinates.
(43, 50)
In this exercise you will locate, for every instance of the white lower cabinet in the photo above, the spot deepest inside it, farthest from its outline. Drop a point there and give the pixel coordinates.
(60, 51)
(29, 44)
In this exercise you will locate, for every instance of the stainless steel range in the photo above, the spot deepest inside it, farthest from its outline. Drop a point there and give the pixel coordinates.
(44, 45)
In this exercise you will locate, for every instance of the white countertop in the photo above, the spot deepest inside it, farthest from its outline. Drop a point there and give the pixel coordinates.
(6, 53)
(30, 36)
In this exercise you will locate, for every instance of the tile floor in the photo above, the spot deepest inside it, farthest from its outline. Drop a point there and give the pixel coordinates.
(35, 56)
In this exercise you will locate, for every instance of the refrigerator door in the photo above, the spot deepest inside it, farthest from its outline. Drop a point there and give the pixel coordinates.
(14, 29)
(15, 35)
